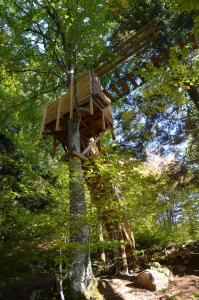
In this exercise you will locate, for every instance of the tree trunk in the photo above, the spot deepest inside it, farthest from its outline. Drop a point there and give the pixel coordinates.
(123, 251)
(101, 239)
(81, 271)
(100, 186)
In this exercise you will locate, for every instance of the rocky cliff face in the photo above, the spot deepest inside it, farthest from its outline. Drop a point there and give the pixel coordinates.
(182, 259)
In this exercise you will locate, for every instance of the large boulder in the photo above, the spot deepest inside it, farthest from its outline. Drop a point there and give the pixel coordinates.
(154, 279)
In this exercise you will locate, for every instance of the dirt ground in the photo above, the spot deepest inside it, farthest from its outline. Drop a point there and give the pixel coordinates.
(181, 288)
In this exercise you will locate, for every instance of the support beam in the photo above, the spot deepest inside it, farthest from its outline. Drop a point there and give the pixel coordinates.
(116, 90)
(72, 94)
(79, 156)
(91, 105)
(88, 148)
(97, 104)
(108, 94)
(131, 80)
(58, 114)
(124, 85)
(86, 109)
(103, 121)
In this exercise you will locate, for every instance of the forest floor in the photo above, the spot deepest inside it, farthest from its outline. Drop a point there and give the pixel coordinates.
(181, 288)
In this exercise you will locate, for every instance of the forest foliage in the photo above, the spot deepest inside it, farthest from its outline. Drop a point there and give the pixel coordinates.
(153, 164)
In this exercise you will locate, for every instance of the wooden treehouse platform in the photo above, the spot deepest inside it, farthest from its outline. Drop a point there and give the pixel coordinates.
(95, 110)
(94, 102)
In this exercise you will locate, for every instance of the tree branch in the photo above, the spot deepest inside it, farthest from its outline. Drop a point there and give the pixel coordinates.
(32, 98)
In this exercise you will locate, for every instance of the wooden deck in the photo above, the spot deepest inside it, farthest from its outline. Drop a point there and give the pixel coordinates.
(95, 110)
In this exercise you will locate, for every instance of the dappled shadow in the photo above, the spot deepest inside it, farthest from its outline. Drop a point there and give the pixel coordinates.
(107, 291)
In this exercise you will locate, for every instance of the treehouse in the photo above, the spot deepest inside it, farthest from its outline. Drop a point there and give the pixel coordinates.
(94, 103)
(95, 110)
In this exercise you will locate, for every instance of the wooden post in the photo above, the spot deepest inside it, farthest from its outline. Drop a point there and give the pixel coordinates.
(108, 95)
(116, 90)
(103, 121)
(91, 105)
(95, 141)
(130, 78)
(71, 94)
(58, 114)
(124, 85)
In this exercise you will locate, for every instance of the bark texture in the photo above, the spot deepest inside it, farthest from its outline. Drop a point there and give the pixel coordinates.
(81, 271)
(99, 187)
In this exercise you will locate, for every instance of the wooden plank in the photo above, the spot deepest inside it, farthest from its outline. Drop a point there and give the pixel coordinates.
(108, 120)
(84, 95)
(58, 115)
(91, 105)
(103, 121)
(102, 100)
(48, 121)
(79, 155)
(52, 111)
(126, 50)
(115, 89)
(107, 94)
(97, 104)
(96, 140)
(52, 115)
(43, 121)
(131, 80)
(91, 90)
(124, 85)
(121, 57)
(72, 94)
(86, 109)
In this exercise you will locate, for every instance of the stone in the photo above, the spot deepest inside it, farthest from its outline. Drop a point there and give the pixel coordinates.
(153, 280)
(166, 297)
(117, 282)
(161, 269)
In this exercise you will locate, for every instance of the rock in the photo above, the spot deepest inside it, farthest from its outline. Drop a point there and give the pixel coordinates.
(166, 297)
(117, 282)
(153, 280)
(156, 265)
(161, 269)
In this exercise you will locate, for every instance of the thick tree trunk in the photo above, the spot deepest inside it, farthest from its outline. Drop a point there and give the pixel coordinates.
(81, 271)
